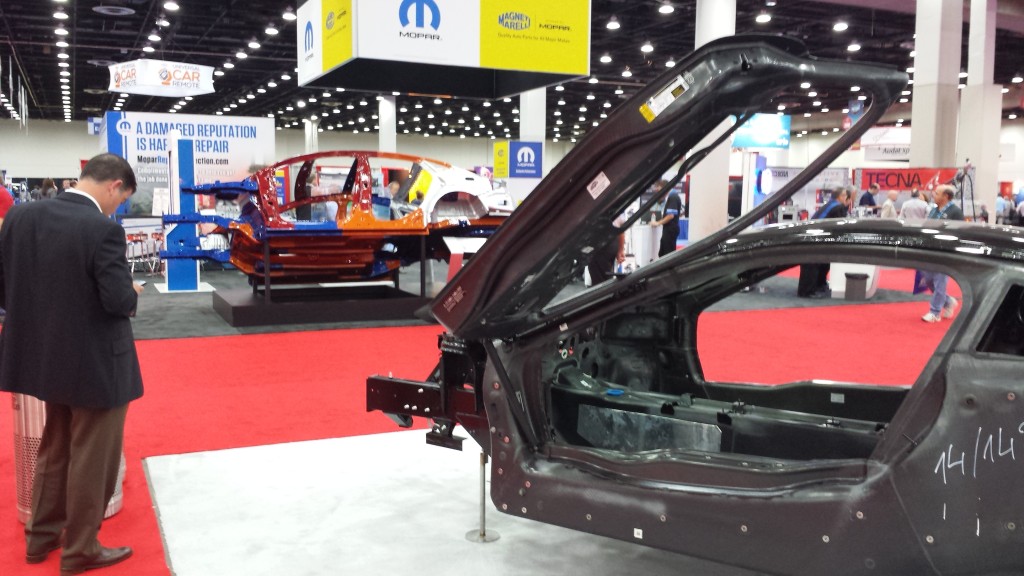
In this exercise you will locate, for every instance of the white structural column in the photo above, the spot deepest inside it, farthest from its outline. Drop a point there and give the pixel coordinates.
(312, 127)
(533, 110)
(387, 119)
(709, 180)
(532, 127)
(936, 69)
(981, 105)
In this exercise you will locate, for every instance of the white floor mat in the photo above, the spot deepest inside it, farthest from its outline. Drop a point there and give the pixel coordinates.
(384, 504)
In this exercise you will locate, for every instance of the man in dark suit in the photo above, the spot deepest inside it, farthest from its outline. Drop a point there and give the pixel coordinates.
(68, 341)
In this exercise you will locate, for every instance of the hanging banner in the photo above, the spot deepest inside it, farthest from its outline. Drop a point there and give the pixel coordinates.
(160, 78)
(225, 148)
(903, 178)
(763, 131)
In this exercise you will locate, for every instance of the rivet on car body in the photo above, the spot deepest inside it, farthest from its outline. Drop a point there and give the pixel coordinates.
(663, 518)
(1011, 396)
(501, 471)
(496, 386)
(406, 406)
(1011, 526)
(929, 539)
(504, 506)
(523, 509)
(426, 410)
(493, 429)
(588, 517)
(527, 484)
(744, 528)
(505, 439)
(860, 515)
(825, 539)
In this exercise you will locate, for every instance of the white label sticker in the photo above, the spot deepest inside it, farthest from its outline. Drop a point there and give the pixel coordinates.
(638, 533)
(598, 185)
(660, 101)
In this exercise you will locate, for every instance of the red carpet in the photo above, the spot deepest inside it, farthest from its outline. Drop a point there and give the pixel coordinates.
(228, 392)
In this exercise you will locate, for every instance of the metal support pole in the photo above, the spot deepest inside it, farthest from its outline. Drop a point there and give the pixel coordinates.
(481, 535)
(423, 267)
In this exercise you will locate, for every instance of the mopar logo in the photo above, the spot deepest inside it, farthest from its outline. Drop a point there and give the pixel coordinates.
(124, 128)
(421, 6)
(330, 20)
(525, 156)
(514, 20)
(307, 41)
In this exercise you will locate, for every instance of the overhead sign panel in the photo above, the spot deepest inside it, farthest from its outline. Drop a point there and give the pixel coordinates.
(526, 159)
(537, 35)
(481, 48)
(160, 78)
(763, 131)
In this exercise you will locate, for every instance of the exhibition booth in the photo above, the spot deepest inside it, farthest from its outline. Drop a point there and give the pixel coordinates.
(611, 310)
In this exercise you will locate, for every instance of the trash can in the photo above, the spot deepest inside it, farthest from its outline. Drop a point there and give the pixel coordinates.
(856, 286)
(29, 420)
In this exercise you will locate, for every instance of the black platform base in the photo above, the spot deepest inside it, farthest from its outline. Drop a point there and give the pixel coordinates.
(312, 305)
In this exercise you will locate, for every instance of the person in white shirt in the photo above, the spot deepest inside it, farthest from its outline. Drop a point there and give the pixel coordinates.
(889, 207)
(915, 208)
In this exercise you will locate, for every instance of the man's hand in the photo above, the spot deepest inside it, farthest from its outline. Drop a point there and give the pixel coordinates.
(138, 287)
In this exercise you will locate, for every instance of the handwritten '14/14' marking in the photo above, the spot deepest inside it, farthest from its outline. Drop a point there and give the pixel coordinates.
(987, 449)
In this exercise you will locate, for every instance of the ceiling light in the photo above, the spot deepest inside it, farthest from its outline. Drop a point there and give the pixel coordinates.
(218, 72)
(854, 88)
(840, 26)
(1012, 116)
(162, 22)
(1017, 79)
(148, 49)
(154, 37)
(286, 77)
(666, 8)
(646, 48)
(805, 85)
(65, 73)
(1005, 90)
(853, 47)
(62, 55)
(171, 6)
(271, 30)
(229, 65)
(241, 55)
(812, 94)
(254, 45)
(963, 74)
(606, 58)
(763, 18)
(64, 80)
(62, 44)
(559, 88)
(60, 15)
(272, 84)
(626, 73)
(613, 24)
(670, 64)
(61, 31)
(288, 15)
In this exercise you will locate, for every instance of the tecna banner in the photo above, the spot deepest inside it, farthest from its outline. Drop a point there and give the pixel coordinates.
(160, 78)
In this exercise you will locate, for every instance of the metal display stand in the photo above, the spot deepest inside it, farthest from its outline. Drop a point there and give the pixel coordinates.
(481, 535)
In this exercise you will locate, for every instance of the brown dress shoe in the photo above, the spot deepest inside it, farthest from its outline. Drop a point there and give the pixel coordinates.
(40, 557)
(106, 557)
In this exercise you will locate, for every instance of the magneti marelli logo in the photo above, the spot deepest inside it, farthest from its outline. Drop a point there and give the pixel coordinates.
(419, 9)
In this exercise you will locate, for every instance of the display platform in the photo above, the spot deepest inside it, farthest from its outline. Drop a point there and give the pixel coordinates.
(381, 504)
(305, 305)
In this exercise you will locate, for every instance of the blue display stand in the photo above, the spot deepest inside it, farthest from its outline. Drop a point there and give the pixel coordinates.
(183, 274)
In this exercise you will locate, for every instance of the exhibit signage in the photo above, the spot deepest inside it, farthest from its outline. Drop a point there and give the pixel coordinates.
(160, 78)
(522, 35)
(525, 159)
(886, 143)
(501, 159)
(763, 131)
(225, 148)
(904, 178)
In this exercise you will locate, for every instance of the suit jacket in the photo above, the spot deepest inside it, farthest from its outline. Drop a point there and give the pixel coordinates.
(67, 289)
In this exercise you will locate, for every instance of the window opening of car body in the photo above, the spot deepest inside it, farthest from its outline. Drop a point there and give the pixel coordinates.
(1005, 334)
(660, 378)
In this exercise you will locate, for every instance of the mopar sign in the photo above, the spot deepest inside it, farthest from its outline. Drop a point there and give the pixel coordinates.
(307, 39)
(420, 7)
(525, 159)
(514, 20)
(329, 23)
(124, 128)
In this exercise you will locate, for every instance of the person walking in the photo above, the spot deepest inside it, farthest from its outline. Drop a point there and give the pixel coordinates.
(68, 341)
(669, 220)
(942, 305)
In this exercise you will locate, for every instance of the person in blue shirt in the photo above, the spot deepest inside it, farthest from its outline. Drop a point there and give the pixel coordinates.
(868, 198)
(813, 281)
(942, 305)
(669, 221)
